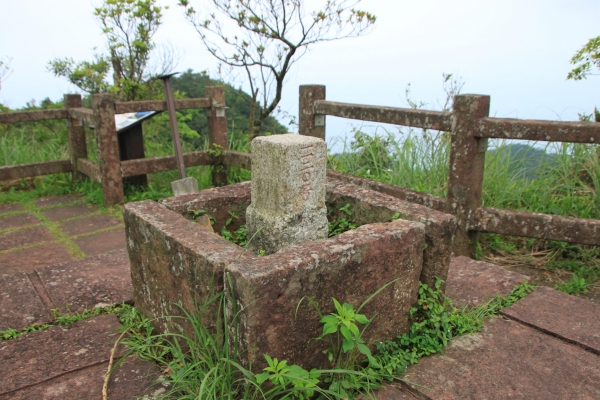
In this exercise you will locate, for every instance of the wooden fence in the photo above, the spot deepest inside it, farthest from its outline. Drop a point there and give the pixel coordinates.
(111, 169)
(468, 122)
(471, 128)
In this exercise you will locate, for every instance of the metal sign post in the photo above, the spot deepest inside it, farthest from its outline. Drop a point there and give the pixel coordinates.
(183, 185)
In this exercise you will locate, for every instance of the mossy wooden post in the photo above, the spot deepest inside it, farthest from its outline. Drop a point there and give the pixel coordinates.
(467, 163)
(217, 132)
(103, 107)
(309, 123)
(76, 133)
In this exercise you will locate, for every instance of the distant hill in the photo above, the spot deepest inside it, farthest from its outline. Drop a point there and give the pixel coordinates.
(524, 161)
(191, 85)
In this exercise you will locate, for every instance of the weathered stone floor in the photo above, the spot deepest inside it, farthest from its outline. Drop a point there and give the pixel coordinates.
(546, 346)
(65, 255)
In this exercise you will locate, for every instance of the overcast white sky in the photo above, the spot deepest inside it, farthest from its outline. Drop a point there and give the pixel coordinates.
(517, 52)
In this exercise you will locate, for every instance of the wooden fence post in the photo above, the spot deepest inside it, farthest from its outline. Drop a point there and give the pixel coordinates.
(76, 134)
(309, 123)
(467, 163)
(103, 107)
(217, 132)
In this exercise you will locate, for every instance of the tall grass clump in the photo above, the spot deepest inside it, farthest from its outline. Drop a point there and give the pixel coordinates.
(29, 142)
(204, 363)
(415, 160)
(558, 178)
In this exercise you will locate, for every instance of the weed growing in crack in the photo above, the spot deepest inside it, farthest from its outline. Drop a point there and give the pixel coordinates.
(341, 224)
(119, 310)
(435, 322)
(239, 236)
(576, 285)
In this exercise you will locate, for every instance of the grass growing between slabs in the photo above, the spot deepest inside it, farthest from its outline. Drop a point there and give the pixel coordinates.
(121, 310)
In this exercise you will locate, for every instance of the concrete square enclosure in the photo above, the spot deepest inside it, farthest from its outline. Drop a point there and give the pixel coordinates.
(176, 264)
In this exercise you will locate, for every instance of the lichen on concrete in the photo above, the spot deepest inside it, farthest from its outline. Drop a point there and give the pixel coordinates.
(288, 191)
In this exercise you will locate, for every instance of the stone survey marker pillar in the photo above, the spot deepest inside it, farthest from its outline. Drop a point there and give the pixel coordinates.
(288, 192)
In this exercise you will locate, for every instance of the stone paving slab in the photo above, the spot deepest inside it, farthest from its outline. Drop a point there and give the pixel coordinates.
(40, 356)
(20, 305)
(62, 213)
(52, 201)
(568, 317)
(102, 242)
(27, 260)
(508, 360)
(472, 282)
(89, 282)
(89, 224)
(18, 221)
(132, 379)
(25, 237)
(389, 392)
(10, 207)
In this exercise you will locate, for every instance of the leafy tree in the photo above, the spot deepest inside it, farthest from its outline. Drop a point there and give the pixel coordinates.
(129, 26)
(192, 84)
(584, 59)
(266, 37)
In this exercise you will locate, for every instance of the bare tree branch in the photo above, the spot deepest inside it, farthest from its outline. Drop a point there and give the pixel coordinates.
(266, 38)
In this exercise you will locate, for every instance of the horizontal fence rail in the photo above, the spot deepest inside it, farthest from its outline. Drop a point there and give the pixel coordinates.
(469, 123)
(471, 127)
(142, 166)
(31, 116)
(90, 169)
(237, 159)
(540, 226)
(12, 172)
(121, 156)
(549, 131)
(159, 105)
(437, 120)
(82, 114)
